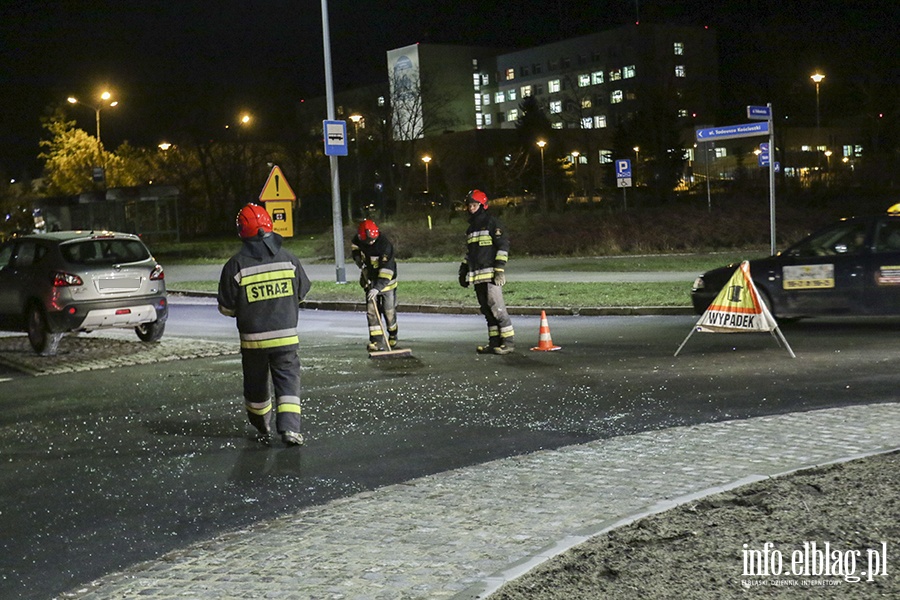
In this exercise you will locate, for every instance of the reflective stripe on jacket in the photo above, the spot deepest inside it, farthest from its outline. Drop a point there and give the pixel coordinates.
(487, 247)
(263, 292)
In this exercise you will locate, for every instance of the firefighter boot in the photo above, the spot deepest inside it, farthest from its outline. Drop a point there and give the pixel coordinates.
(493, 343)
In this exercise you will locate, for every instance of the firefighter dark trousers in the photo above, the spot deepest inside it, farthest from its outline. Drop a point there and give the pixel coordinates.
(284, 368)
(387, 305)
(490, 299)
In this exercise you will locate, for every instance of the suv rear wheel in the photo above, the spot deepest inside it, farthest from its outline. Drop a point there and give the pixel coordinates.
(151, 332)
(42, 340)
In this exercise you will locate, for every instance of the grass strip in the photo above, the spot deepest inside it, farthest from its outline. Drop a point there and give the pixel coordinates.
(537, 294)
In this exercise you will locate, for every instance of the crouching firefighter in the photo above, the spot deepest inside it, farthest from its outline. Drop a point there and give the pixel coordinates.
(262, 287)
(487, 250)
(373, 253)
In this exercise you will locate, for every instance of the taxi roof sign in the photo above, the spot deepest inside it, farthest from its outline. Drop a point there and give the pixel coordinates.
(277, 187)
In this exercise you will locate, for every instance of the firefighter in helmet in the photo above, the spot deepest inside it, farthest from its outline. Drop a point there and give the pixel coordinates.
(262, 287)
(487, 250)
(373, 253)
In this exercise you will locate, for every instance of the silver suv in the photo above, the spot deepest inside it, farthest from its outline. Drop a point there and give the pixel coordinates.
(53, 283)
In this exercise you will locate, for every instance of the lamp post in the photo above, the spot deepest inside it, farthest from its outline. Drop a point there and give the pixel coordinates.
(105, 96)
(817, 79)
(356, 118)
(426, 159)
(575, 155)
(541, 144)
(637, 160)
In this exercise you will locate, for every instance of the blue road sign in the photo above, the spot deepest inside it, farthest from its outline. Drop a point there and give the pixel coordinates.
(759, 112)
(335, 138)
(623, 168)
(727, 132)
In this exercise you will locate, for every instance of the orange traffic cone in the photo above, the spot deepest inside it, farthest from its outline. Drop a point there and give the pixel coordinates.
(545, 344)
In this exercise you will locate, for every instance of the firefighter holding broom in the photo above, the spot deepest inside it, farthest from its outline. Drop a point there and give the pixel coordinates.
(373, 253)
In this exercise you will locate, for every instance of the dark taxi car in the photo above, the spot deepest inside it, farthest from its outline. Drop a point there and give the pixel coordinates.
(849, 268)
(52, 283)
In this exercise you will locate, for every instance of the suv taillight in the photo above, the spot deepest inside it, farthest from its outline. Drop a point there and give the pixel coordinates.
(61, 279)
(157, 273)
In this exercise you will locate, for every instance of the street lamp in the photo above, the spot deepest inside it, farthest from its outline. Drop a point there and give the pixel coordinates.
(356, 118)
(575, 155)
(637, 159)
(426, 159)
(817, 79)
(541, 144)
(105, 96)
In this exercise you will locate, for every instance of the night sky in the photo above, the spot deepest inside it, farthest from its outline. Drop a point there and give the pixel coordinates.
(193, 65)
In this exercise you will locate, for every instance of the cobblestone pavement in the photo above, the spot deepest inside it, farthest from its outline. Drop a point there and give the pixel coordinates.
(460, 534)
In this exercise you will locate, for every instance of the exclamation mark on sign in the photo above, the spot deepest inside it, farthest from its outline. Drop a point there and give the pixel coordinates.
(277, 192)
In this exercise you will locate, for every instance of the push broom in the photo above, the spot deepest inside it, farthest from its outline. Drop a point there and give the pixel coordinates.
(387, 352)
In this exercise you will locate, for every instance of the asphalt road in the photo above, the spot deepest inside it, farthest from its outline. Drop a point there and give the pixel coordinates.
(105, 468)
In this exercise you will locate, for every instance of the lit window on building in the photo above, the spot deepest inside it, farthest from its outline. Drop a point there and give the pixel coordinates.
(485, 99)
(554, 86)
(479, 120)
(587, 123)
(380, 100)
(847, 151)
(679, 48)
(721, 152)
(616, 97)
(526, 91)
(630, 95)
(476, 81)
(599, 121)
(679, 71)
(487, 119)
(584, 80)
(512, 115)
(510, 74)
(477, 101)
(555, 107)
(586, 103)
(485, 79)
(511, 94)
(605, 157)
(857, 150)
(682, 112)
(499, 97)
(597, 77)
(628, 72)
(556, 125)
(615, 75)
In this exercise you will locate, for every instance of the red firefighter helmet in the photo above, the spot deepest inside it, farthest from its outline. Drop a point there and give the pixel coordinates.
(477, 196)
(251, 219)
(368, 231)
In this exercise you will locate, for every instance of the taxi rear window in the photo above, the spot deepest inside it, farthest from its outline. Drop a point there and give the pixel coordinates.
(93, 252)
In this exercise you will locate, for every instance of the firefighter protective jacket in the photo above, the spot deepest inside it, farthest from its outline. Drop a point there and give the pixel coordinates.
(487, 247)
(262, 286)
(377, 262)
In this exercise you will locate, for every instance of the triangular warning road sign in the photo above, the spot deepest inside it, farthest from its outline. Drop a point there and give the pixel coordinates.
(738, 309)
(276, 187)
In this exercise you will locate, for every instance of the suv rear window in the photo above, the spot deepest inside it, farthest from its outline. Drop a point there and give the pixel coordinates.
(94, 252)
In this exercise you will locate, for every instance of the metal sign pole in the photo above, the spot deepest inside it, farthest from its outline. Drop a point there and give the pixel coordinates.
(771, 179)
(340, 273)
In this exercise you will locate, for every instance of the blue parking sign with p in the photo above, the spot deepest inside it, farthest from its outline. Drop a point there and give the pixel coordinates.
(623, 167)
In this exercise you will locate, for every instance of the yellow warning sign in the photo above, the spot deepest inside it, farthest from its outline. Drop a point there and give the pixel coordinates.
(277, 187)
(737, 307)
(282, 217)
